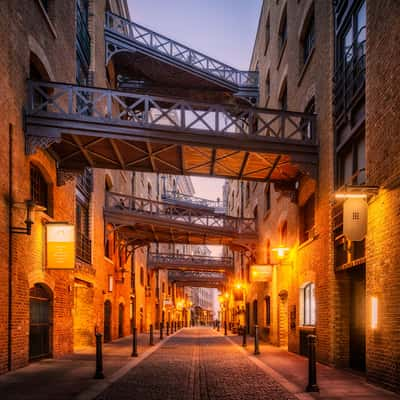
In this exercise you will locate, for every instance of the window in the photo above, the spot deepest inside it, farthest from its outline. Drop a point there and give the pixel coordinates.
(267, 88)
(306, 124)
(39, 188)
(142, 276)
(82, 42)
(268, 310)
(351, 162)
(283, 32)
(309, 40)
(267, 33)
(267, 198)
(283, 98)
(308, 294)
(307, 219)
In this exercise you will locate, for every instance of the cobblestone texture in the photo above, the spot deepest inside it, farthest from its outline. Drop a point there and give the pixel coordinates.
(196, 364)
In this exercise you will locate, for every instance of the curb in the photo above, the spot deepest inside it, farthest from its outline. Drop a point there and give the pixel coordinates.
(100, 386)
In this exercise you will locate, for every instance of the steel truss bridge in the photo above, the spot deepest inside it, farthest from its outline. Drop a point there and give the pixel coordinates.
(199, 279)
(185, 199)
(104, 128)
(177, 64)
(145, 220)
(188, 262)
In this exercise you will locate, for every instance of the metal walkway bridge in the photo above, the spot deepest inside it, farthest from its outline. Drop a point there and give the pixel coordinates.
(104, 128)
(143, 220)
(148, 55)
(197, 279)
(189, 262)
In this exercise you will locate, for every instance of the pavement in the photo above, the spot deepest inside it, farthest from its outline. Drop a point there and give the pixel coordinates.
(194, 363)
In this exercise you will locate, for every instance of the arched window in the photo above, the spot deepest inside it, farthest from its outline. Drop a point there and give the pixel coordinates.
(308, 300)
(40, 192)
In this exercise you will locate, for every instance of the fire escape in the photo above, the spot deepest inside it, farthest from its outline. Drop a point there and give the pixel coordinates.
(173, 110)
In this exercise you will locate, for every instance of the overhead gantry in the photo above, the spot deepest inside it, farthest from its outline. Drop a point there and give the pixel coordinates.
(189, 262)
(147, 61)
(144, 220)
(103, 128)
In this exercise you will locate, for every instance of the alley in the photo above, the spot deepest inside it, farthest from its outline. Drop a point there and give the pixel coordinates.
(197, 363)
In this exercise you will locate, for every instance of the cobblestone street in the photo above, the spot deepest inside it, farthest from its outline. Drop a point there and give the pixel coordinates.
(196, 363)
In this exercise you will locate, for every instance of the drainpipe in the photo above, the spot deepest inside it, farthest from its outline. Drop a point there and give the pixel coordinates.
(10, 192)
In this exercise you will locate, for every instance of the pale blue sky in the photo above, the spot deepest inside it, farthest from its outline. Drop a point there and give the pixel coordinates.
(223, 29)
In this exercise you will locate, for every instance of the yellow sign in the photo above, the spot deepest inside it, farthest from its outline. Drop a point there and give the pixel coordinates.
(60, 246)
(260, 273)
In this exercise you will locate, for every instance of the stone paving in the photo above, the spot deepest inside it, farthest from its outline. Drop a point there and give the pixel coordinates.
(196, 364)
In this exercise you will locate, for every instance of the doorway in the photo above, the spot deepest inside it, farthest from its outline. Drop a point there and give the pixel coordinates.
(107, 320)
(121, 321)
(40, 322)
(357, 319)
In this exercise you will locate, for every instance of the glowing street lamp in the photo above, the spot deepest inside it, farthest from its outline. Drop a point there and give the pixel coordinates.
(281, 251)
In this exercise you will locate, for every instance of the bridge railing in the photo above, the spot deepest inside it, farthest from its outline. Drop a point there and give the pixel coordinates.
(188, 260)
(123, 109)
(188, 215)
(216, 205)
(165, 46)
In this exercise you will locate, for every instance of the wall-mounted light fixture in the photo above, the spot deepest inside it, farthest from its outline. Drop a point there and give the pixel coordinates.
(27, 229)
(110, 283)
(281, 251)
(356, 192)
(374, 312)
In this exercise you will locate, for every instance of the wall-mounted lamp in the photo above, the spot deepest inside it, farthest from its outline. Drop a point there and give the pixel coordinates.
(281, 251)
(374, 312)
(27, 230)
(356, 192)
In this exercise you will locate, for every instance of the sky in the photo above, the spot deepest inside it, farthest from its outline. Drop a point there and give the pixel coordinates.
(223, 29)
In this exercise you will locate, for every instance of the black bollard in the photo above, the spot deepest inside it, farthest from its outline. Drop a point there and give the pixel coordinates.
(134, 342)
(151, 339)
(167, 328)
(225, 328)
(312, 365)
(218, 323)
(256, 341)
(99, 357)
(172, 327)
(244, 341)
(161, 330)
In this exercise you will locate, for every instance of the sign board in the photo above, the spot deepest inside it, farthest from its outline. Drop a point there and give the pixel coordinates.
(260, 273)
(60, 246)
(355, 212)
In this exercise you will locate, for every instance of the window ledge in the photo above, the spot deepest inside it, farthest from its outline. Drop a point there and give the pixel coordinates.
(108, 260)
(282, 51)
(46, 17)
(305, 67)
(308, 242)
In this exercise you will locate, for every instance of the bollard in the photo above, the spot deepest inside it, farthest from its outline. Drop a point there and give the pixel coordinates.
(172, 327)
(312, 365)
(99, 357)
(161, 330)
(225, 328)
(134, 342)
(167, 328)
(244, 341)
(151, 339)
(218, 323)
(256, 341)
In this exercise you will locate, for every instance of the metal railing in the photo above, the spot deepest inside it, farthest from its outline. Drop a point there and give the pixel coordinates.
(216, 205)
(187, 215)
(155, 259)
(87, 104)
(178, 52)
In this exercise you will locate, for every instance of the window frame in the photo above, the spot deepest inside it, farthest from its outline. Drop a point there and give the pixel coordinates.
(309, 305)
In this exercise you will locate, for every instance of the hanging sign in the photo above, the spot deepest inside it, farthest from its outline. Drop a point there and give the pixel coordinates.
(60, 246)
(260, 273)
(355, 212)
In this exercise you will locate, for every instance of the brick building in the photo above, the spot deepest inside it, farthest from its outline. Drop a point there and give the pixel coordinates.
(328, 58)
